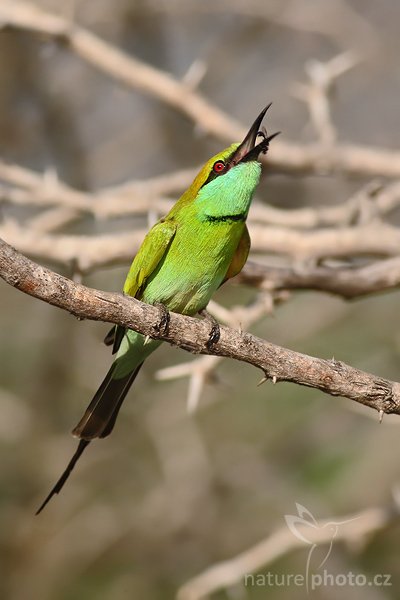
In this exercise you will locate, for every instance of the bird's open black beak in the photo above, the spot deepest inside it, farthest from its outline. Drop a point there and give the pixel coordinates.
(248, 150)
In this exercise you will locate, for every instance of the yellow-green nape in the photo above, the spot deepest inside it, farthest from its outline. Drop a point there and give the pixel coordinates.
(203, 175)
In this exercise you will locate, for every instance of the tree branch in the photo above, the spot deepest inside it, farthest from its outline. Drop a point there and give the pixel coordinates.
(279, 364)
(26, 187)
(346, 282)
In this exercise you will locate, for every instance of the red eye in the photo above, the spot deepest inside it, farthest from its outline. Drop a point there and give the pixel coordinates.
(219, 166)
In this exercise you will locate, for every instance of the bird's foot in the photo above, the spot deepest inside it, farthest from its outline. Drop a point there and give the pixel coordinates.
(161, 327)
(215, 332)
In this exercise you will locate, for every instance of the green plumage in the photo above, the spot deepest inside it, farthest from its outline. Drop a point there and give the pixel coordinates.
(185, 257)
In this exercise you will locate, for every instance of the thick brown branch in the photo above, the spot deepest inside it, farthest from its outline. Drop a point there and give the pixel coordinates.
(279, 364)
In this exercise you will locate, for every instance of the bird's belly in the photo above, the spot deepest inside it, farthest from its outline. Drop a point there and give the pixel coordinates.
(191, 272)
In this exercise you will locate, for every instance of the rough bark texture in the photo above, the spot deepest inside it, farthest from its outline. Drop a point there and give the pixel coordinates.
(279, 364)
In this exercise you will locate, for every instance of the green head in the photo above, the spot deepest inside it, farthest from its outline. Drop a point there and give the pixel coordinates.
(226, 183)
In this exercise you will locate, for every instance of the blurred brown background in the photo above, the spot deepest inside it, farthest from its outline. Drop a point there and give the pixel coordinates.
(171, 493)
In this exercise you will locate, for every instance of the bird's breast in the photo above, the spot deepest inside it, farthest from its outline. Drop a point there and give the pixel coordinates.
(195, 264)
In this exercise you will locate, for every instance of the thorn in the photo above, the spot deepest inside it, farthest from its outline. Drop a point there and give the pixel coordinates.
(146, 340)
(274, 379)
(77, 277)
(76, 272)
(381, 413)
(263, 380)
(196, 385)
(195, 74)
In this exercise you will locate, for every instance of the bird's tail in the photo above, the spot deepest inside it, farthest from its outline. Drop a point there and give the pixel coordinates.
(99, 418)
(59, 485)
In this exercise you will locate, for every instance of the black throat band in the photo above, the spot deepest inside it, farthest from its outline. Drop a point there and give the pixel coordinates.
(225, 218)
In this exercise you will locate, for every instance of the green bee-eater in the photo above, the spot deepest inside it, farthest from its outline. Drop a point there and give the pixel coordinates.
(201, 243)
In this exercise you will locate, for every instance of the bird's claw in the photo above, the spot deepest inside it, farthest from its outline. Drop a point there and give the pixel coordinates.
(161, 327)
(215, 332)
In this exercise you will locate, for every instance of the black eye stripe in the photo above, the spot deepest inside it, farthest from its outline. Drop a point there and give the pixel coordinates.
(213, 175)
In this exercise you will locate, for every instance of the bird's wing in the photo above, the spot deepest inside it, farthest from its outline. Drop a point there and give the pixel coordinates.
(240, 256)
(151, 252)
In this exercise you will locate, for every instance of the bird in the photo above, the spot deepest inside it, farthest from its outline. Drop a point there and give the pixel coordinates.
(186, 256)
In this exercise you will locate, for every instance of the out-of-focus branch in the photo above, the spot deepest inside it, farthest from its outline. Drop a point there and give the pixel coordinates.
(317, 93)
(89, 252)
(372, 200)
(86, 253)
(348, 283)
(26, 187)
(339, 21)
(287, 157)
(372, 239)
(278, 364)
(353, 528)
(134, 197)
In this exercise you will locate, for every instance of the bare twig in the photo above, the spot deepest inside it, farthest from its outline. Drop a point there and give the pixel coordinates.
(135, 197)
(373, 239)
(339, 21)
(317, 93)
(348, 283)
(83, 251)
(23, 186)
(279, 364)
